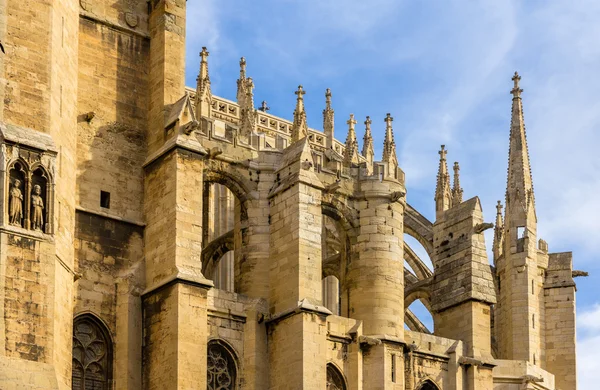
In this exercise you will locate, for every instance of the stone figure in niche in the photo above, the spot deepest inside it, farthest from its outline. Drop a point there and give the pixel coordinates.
(37, 206)
(15, 212)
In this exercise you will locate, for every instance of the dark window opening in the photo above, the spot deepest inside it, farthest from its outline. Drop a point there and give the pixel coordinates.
(105, 199)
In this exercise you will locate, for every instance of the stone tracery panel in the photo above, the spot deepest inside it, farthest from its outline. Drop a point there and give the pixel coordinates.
(221, 367)
(92, 355)
(335, 379)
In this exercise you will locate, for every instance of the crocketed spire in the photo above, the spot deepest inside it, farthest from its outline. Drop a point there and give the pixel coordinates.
(351, 150)
(457, 191)
(520, 201)
(328, 120)
(299, 127)
(203, 92)
(389, 146)
(367, 150)
(443, 197)
(242, 83)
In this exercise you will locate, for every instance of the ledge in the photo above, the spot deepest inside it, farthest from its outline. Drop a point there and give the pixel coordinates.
(179, 277)
(303, 306)
(32, 234)
(27, 137)
(110, 216)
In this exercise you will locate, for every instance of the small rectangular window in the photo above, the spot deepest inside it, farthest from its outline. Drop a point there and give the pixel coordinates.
(105, 199)
(393, 368)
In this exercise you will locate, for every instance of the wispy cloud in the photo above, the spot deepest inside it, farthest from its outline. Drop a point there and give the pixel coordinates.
(443, 70)
(588, 345)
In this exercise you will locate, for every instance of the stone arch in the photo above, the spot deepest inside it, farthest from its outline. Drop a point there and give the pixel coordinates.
(335, 378)
(419, 227)
(92, 353)
(339, 212)
(212, 253)
(222, 365)
(223, 173)
(416, 264)
(428, 384)
(418, 291)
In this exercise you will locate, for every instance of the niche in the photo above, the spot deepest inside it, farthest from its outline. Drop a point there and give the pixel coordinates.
(28, 197)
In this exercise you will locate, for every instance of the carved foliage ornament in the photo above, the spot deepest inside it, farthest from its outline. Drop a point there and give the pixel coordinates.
(221, 370)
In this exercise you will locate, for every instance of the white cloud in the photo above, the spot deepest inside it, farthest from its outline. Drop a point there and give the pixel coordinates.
(588, 347)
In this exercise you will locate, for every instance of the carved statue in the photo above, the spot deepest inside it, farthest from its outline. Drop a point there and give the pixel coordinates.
(15, 210)
(37, 205)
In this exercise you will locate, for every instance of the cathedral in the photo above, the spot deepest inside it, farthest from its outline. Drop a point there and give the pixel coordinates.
(156, 236)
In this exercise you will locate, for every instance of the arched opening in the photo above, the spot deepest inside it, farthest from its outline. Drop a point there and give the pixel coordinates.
(335, 378)
(418, 318)
(428, 385)
(219, 219)
(331, 294)
(39, 200)
(17, 194)
(221, 366)
(92, 354)
(333, 251)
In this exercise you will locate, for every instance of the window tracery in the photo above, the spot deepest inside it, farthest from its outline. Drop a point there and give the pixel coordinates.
(92, 355)
(335, 379)
(221, 368)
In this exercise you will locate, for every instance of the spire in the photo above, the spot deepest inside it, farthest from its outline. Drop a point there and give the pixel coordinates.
(248, 113)
(367, 150)
(241, 83)
(299, 128)
(520, 203)
(457, 191)
(389, 146)
(351, 152)
(328, 120)
(442, 189)
(498, 228)
(203, 92)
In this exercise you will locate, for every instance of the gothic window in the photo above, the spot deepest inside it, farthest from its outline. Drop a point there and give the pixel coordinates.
(221, 368)
(335, 379)
(427, 385)
(92, 355)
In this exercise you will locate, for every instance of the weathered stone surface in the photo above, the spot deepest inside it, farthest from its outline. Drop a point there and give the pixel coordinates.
(197, 234)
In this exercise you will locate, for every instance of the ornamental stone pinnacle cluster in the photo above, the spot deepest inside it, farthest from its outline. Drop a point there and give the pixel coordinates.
(156, 236)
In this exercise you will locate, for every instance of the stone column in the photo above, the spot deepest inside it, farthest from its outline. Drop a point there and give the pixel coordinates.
(375, 279)
(174, 304)
(297, 327)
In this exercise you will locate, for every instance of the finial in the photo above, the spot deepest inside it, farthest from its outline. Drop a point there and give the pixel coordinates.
(443, 152)
(351, 122)
(499, 208)
(368, 123)
(516, 91)
(243, 63)
(456, 168)
(300, 92)
(328, 98)
(388, 120)
(204, 54)
(264, 107)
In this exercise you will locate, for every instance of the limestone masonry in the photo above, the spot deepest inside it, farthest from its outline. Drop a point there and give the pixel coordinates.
(155, 236)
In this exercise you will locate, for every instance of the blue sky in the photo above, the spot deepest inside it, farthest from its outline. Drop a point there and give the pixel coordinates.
(443, 70)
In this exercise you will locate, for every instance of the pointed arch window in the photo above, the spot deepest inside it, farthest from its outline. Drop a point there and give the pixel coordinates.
(92, 354)
(428, 385)
(335, 379)
(221, 367)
